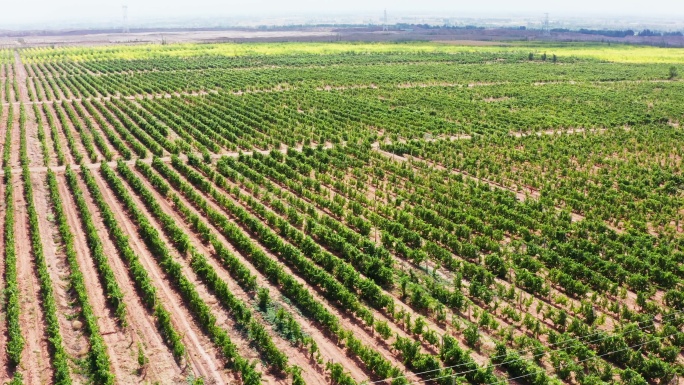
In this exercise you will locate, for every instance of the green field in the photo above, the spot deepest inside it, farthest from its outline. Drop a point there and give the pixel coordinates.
(618, 53)
(345, 213)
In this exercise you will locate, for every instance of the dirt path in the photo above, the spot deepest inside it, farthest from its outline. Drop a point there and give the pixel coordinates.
(295, 356)
(3, 79)
(202, 358)
(400, 305)
(20, 76)
(97, 126)
(78, 144)
(69, 159)
(223, 319)
(33, 145)
(75, 343)
(15, 140)
(4, 373)
(348, 321)
(48, 141)
(3, 128)
(78, 135)
(120, 347)
(32, 142)
(141, 329)
(35, 362)
(328, 348)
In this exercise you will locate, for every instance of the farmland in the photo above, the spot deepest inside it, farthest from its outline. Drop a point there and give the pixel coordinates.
(310, 213)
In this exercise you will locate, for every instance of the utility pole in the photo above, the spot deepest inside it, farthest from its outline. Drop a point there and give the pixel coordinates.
(546, 30)
(125, 19)
(385, 27)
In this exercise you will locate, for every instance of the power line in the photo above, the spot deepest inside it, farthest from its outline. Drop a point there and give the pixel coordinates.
(544, 371)
(577, 339)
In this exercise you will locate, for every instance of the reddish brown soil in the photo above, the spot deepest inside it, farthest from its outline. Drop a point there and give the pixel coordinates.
(3, 126)
(202, 358)
(77, 137)
(75, 343)
(330, 350)
(295, 356)
(32, 142)
(141, 328)
(60, 136)
(348, 321)
(35, 366)
(96, 128)
(48, 140)
(2, 81)
(3, 335)
(224, 320)
(120, 347)
(95, 124)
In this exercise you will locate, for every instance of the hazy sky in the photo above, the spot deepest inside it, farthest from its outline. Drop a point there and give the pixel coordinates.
(51, 11)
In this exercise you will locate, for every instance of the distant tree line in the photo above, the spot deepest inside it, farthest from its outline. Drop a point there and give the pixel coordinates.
(648, 32)
(618, 32)
(600, 32)
(428, 26)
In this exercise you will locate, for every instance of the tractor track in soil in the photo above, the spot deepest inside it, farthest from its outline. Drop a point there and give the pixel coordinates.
(78, 135)
(4, 372)
(329, 349)
(35, 362)
(78, 144)
(223, 319)
(202, 358)
(68, 157)
(295, 356)
(96, 128)
(141, 327)
(119, 346)
(479, 356)
(348, 321)
(75, 344)
(109, 125)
